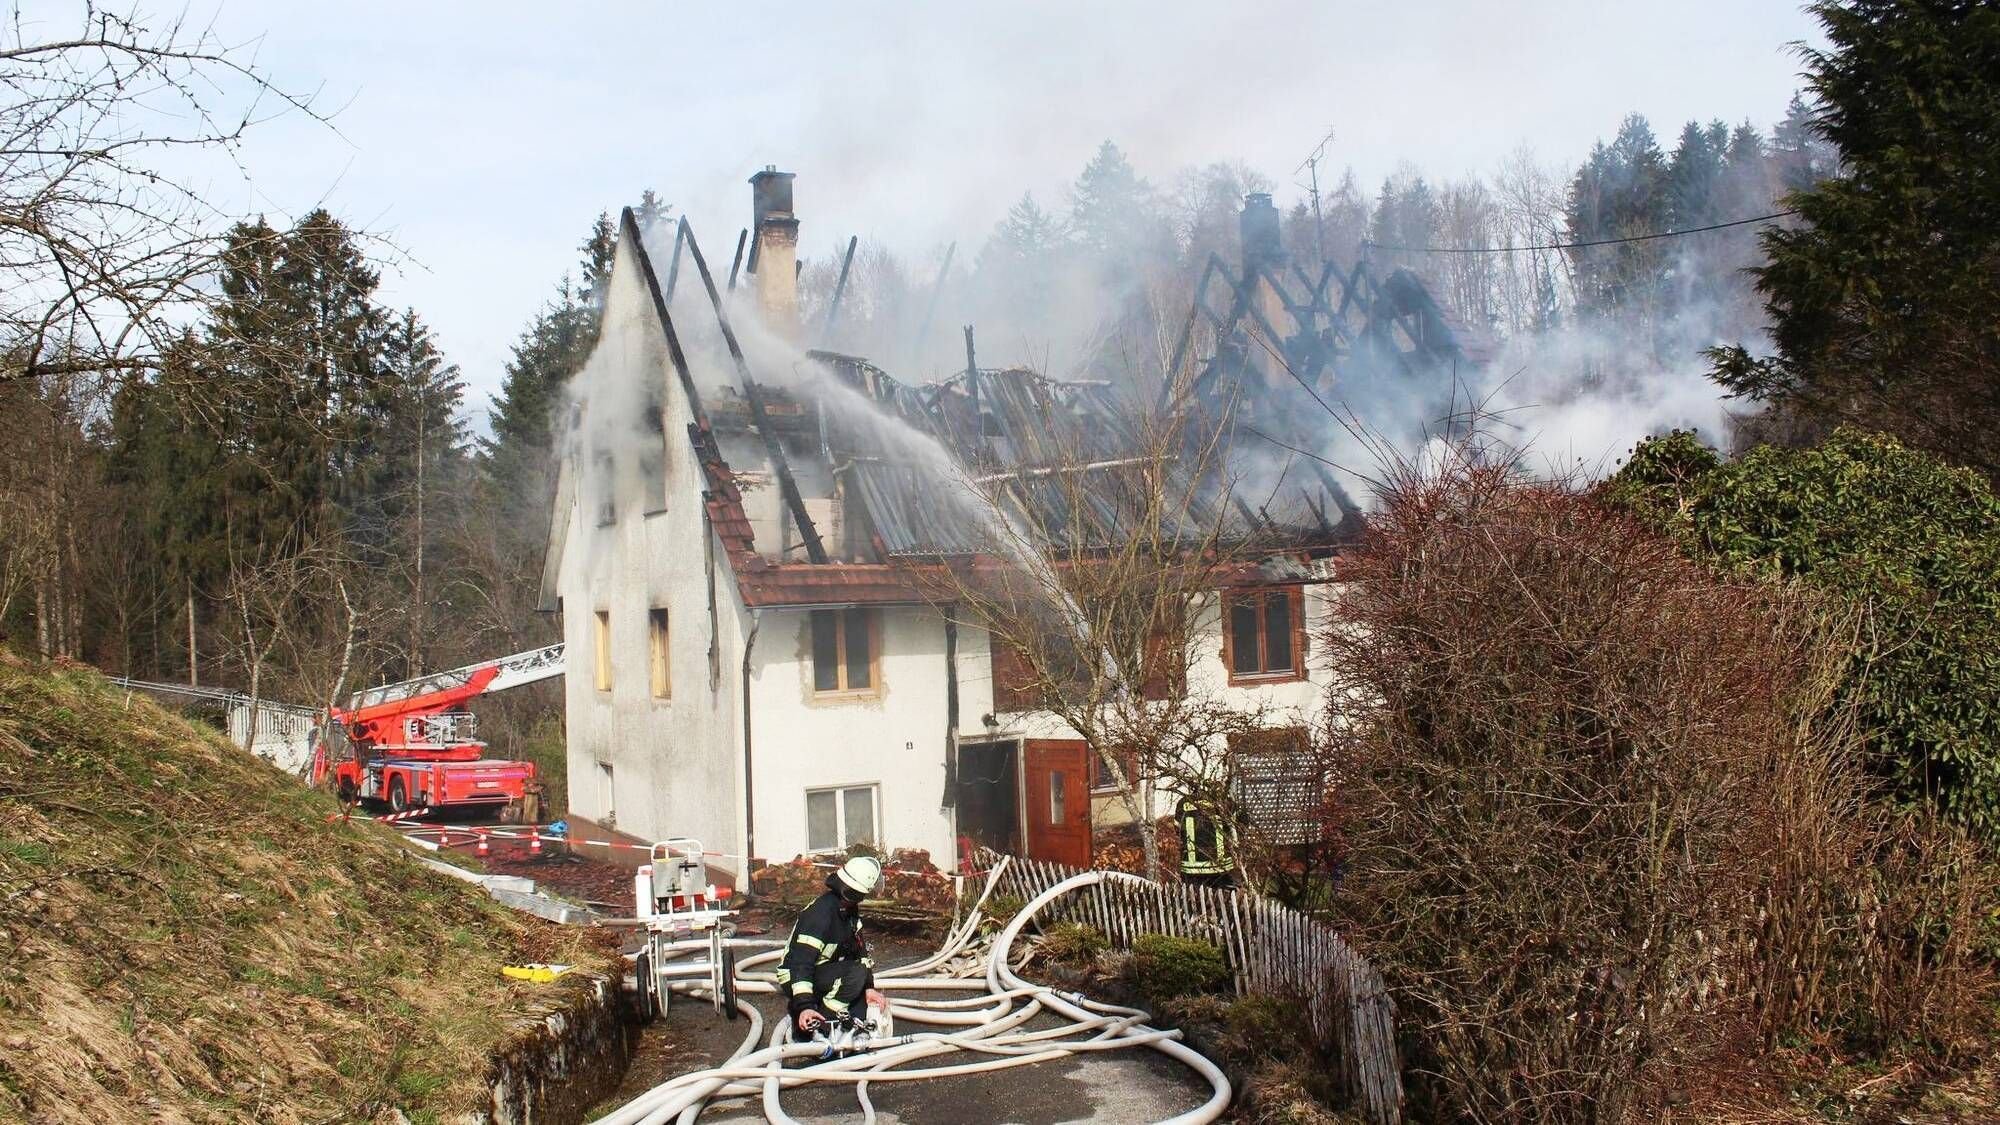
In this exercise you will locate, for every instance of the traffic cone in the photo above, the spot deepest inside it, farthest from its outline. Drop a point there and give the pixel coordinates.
(483, 850)
(534, 843)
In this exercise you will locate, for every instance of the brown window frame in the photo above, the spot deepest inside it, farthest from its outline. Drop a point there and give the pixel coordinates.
(843, 657)
(1297, 671)
(660, 651)
(1101, 781)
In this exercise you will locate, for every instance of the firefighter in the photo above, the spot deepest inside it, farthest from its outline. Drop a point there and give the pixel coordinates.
(827, 966)
(1205, 856)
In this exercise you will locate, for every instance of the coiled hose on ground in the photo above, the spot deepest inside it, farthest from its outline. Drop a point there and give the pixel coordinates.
(986, 1026)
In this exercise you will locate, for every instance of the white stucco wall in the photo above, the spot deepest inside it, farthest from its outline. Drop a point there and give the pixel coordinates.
(893, 737)
(675, 762)
(1286, 703)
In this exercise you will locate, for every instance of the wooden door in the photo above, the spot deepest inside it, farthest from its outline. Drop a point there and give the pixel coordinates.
(1056, 813)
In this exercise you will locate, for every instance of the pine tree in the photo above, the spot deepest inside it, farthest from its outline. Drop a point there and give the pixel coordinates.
(1112, 209)
(1884, 300)
(1620, 191)
(1801, 150)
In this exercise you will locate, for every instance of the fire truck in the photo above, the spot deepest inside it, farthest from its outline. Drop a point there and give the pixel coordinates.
(411, 745)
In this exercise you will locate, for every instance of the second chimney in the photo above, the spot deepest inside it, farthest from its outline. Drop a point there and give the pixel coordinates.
(776, 253)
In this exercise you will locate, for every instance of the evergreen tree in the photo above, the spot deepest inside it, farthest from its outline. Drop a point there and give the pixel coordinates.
(1694, 175)
(1884, 300)
(1620, 191)
(1113, 213)
(1803, 154)
(1019, 264)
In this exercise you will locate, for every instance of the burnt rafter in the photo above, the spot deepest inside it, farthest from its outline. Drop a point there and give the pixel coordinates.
(788, 486)
(682, 372)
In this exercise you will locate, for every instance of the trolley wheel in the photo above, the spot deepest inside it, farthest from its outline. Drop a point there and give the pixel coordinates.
(399, 797)
(729, 982)
(646, 994)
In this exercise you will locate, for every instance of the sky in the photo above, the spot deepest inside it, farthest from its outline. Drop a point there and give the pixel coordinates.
(482, 138)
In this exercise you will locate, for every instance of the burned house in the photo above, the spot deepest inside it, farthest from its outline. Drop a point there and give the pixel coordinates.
(741, 523)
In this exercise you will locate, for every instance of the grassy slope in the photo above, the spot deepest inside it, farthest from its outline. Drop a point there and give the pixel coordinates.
(185, 937)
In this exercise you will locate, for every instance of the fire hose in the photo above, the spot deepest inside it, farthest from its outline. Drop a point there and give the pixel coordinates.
(986, 1025)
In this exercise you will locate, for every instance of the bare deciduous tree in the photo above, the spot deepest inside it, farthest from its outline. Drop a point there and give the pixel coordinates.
(1102, 593)
(110, 129)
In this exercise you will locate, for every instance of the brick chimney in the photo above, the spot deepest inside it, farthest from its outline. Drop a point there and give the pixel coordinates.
(1263, 258)
(776, 255)
(1262, 244)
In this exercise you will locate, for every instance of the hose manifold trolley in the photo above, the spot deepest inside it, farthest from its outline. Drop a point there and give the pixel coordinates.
(676, 903)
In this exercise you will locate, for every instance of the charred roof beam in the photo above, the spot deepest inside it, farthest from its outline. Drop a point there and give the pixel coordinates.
(788, 486)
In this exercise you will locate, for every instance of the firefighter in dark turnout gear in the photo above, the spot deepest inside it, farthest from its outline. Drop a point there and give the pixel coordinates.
(1205, 856)
(827, 967)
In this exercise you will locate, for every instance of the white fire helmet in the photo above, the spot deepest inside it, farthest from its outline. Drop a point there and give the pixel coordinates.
(861, 874)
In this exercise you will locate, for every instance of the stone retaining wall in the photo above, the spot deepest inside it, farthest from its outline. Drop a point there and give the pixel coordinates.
(565, 1055)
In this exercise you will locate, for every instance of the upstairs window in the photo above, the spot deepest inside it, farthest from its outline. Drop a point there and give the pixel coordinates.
(1264, 636)
(601, 646)
(843, 650)
(605, 477)
(657, 649)
(653, 458)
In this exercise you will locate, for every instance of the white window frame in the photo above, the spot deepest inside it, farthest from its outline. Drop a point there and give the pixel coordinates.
(840, 815)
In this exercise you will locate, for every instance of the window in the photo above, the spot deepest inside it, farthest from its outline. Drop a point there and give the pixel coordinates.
(843, 650)
(1017, 683)
(1101, 779)
(657, 649)
(1058, 797)
(1264, 638)
(1280, 785)
(606, 786)
(653, 458)
(837, 819)
(602, 647)
(606, 486)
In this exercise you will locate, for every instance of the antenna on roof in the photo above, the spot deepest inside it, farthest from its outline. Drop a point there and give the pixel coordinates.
(1319, 222)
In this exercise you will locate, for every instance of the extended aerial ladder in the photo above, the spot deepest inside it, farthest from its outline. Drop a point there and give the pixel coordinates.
(412, 744)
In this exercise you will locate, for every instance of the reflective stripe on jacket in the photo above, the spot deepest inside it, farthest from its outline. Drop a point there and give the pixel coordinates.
(826, 931)
(1204, 841)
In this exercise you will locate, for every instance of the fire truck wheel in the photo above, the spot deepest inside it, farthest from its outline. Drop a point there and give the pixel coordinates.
(645, 983)
(347, 791)
(399, 797)
(729, 981)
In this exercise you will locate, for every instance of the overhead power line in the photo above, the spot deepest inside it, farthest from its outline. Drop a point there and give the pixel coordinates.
(1577, 245)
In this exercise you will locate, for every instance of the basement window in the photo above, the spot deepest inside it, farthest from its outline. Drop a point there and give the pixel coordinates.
(838, 819)
(1264, 636)
(843, 651)
(657, 651)
(601, 645)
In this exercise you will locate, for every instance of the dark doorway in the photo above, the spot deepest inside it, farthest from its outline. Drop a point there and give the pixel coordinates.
(989, 786)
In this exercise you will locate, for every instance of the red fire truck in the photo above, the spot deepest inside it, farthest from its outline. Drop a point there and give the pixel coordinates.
(411, 745)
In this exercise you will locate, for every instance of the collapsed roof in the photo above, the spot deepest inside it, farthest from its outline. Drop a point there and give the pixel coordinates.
(824, 481)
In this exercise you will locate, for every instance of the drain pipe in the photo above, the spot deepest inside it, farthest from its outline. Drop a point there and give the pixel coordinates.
(749, 770)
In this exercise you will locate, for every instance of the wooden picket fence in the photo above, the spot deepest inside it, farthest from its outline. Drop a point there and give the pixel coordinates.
(1272, 950)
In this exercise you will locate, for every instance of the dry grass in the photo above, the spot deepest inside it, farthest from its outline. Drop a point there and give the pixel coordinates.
(184, 937)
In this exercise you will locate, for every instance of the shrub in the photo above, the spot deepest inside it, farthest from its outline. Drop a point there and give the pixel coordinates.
(1002, 908)
(1557, 739)
(1911, 541)
(1164, 966)
(1073, 943)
